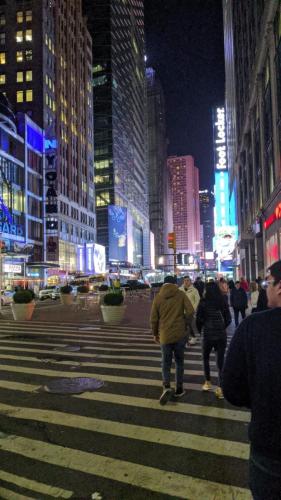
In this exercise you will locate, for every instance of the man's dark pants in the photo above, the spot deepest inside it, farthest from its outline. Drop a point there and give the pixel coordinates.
(168, 350)
(236, 314)
(265, 477)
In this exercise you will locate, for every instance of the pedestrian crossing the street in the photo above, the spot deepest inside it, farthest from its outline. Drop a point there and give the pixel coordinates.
(117, 442)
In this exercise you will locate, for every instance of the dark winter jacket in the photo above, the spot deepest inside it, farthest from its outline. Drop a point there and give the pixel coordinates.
(251, 377)
(213, 320)
(262, 301)
(238, 298)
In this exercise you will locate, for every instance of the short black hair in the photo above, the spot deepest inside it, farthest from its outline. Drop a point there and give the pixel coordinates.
(187, 277)
(237, 282)
(171, 279)
(275, 271)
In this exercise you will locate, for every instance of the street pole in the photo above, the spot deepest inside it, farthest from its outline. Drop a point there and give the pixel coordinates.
(175, 261)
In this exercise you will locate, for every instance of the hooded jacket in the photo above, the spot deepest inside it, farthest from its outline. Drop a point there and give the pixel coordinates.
(192, 294)
(168, 312)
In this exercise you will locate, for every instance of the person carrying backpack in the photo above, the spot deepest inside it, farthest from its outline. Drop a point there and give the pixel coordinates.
(213, 317)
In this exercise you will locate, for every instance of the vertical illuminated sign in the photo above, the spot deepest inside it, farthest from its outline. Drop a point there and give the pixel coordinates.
(117, 233)
(220, 139)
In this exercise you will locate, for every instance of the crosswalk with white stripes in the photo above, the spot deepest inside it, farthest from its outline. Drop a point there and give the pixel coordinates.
(116, 442)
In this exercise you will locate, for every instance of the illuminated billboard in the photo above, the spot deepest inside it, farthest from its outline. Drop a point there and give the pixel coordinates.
(95, 258)
(117, 233)
(222, 213)
(219, 138)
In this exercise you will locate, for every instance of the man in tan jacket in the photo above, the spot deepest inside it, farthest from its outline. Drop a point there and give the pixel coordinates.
(168, 322)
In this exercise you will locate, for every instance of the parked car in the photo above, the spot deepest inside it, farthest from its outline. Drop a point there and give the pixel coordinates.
(46, 292)
(6, 297)
(135, 285)
(55, 295)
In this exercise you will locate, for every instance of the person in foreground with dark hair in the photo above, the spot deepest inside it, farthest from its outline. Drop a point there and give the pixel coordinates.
(251, 377)
(168, 323)
(213, 317)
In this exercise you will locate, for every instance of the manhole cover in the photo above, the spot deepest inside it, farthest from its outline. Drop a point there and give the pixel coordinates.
(70, 348)
(75, 385)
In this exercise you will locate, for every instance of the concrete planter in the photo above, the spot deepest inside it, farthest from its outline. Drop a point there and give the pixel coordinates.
(67, 299)
(113, 314)
(23, 312)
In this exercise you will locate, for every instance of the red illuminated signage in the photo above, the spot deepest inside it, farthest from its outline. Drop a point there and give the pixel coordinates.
(273, 217)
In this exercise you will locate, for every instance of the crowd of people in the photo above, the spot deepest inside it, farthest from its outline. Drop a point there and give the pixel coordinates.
(249, 375)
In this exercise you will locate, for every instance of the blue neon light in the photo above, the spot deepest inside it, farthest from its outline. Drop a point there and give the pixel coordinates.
(34, 138)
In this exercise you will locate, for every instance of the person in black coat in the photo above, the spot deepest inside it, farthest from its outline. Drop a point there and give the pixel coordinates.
(212, 318)
(239, 302)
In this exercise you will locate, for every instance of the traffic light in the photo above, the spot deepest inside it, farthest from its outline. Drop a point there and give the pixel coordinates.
(172, 240)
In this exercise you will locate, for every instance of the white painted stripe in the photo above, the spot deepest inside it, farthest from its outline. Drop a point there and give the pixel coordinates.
(149, 478)
(30, 484)
(6, 494)
(68, 326)
(152, 404)
(108, 366)
(130, 431)
(73, 331)
(90, 356)
(105, 377)
(155, 351)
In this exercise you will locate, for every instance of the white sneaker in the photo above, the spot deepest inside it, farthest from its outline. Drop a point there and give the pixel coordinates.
(192, 341)
(207, 386)
(166, 396)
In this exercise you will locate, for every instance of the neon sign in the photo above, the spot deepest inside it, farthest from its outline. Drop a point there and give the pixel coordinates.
(273, 217)
(220, 139)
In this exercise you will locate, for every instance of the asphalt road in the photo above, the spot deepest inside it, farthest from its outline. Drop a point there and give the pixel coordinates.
(116, 442)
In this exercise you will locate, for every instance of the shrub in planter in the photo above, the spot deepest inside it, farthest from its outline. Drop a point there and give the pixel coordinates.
(66, 290)
(23, 305)
(23, 297)
(83, 289)
(113, 299)
(66, 296)
(113, 308)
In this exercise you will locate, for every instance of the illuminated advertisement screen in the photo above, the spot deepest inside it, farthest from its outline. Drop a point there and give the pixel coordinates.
(225, 242)
(222, 199)
(117, 232)
(99, 259)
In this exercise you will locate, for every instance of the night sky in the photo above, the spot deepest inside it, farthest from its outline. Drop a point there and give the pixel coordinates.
(184, 43)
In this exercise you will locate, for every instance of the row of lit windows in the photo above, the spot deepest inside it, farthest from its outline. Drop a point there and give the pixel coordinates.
(21, 56)
(25, 96)
(24, 76)
(49, 43)
(21, 16)
(22, 36)
(50, 83)
(103, 199)
(50, 102)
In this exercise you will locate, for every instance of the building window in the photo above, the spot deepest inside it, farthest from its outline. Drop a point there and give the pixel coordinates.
(19, 76)
(28, 36)
(29, 96)
(2, 19)
(28, 75)
(2, 57)
(2, 79)
(20, 96)
(20, 17)
(19, 36)
(19, 55)
(28, 16)
(28, 55)
(2, 38)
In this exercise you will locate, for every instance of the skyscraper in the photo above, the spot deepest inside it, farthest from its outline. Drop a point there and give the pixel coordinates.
(185, 197)
(253, 115)
(46, 69)
(207, 203)
(117, 29)
(160, 206)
